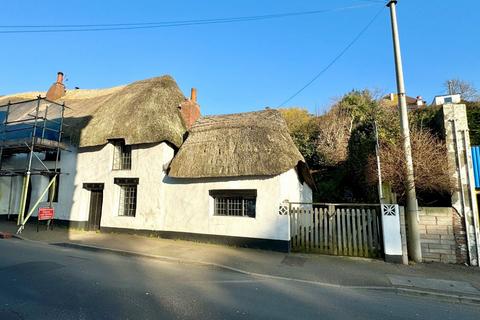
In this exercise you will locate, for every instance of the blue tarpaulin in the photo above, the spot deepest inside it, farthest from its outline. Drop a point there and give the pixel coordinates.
(48, 129)
(476, 165)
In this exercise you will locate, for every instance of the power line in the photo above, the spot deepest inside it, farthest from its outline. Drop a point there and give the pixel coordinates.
(162, 24)
(337, 57)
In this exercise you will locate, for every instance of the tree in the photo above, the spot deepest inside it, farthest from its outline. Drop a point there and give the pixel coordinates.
(429, 161)
(334, 129)
(304, 131)
(466, 89)
(473, 115)
(336, 126)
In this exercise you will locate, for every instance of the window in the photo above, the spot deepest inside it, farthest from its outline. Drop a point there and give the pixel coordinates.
(239, 203)
(122, 156)
(52, 156)
(448, 100)
(128, 196)
(53, 191)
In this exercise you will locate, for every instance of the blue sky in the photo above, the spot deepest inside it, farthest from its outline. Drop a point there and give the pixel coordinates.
(243, 66)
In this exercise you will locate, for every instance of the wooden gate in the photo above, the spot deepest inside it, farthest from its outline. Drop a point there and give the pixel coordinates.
(336, 229)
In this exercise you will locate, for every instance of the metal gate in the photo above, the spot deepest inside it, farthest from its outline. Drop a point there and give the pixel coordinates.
(336, 229)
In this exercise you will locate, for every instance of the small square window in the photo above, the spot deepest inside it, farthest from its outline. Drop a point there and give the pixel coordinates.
(239, 203)
(122, 157)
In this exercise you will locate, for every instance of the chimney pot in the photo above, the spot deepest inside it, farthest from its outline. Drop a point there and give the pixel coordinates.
(60, 77)
(193, 95)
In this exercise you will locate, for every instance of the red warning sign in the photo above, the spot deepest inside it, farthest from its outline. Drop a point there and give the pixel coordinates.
(46, 213)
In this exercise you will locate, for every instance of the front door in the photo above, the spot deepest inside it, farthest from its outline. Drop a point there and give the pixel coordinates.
(95, 215)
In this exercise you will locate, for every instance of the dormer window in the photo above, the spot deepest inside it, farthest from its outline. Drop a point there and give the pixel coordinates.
(122, 155)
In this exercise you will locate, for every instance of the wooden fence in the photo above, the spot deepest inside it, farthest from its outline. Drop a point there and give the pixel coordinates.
(347, 230)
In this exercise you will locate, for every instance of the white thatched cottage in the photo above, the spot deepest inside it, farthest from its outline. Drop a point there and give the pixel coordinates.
(140, 158)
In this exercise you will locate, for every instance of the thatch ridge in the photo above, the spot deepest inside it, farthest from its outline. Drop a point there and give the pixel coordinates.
(243, 144)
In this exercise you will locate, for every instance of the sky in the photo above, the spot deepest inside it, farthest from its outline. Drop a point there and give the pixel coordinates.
(243, 66)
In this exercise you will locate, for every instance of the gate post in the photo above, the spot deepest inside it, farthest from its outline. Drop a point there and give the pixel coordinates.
(392, 239)
(459, 159)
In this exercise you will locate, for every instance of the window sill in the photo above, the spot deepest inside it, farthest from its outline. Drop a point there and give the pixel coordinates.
(243, 217)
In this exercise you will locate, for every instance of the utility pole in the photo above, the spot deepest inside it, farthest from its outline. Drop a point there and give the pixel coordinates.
(414, 248)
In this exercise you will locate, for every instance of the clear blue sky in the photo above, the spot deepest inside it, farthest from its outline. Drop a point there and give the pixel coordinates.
(243, 66)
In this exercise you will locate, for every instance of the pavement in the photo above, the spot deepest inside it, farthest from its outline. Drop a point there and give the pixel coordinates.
(458, 283)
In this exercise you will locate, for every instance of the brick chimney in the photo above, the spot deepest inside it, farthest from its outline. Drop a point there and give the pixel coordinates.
(193, 95)
(57, 90)
(189, 109)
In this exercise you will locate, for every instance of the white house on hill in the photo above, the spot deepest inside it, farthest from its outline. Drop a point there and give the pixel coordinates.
(141, 159)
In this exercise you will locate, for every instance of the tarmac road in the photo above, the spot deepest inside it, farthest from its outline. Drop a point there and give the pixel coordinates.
(39, 281)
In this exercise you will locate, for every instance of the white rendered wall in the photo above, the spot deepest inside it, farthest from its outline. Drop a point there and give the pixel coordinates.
(95, 166)
(190, 207)
(163, 203)
(5, 186)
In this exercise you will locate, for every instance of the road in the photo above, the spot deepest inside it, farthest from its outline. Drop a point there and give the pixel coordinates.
(39, 281)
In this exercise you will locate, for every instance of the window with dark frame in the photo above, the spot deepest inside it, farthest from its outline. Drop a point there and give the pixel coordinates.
(128, 196)
(236, 203)
(122, 157)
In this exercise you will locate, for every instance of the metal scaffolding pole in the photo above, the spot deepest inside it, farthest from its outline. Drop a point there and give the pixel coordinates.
(26, 180)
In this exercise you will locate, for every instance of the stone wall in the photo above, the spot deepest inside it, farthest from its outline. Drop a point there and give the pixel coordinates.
(443, 236)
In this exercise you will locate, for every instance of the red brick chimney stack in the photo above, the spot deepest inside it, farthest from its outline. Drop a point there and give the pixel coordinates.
(193, 95)
(57, 90)
(189, 109)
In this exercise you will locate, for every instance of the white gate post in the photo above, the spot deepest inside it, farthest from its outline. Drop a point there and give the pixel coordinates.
(392, 238)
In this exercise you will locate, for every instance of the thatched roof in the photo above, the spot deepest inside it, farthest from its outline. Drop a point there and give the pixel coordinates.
(142, 112)
(243, 144)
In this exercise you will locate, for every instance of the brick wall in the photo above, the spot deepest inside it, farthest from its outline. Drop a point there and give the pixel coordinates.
(442, 235)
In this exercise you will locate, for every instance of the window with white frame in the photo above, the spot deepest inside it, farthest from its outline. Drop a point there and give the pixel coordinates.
(236, 203)
(128, 196)
(122, 156)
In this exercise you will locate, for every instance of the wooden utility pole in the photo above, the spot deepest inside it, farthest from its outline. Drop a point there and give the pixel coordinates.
(414, 248)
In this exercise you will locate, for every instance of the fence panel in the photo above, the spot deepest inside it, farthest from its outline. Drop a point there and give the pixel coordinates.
(337, 229)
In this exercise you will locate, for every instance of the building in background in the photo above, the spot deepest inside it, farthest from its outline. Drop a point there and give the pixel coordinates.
(446, 99)
(412, 103)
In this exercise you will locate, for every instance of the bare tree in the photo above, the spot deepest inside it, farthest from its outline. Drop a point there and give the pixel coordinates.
(334, 130)
(429, 155)
(462, 87)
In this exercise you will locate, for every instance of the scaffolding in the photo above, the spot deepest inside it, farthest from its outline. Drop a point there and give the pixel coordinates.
(31, 127)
